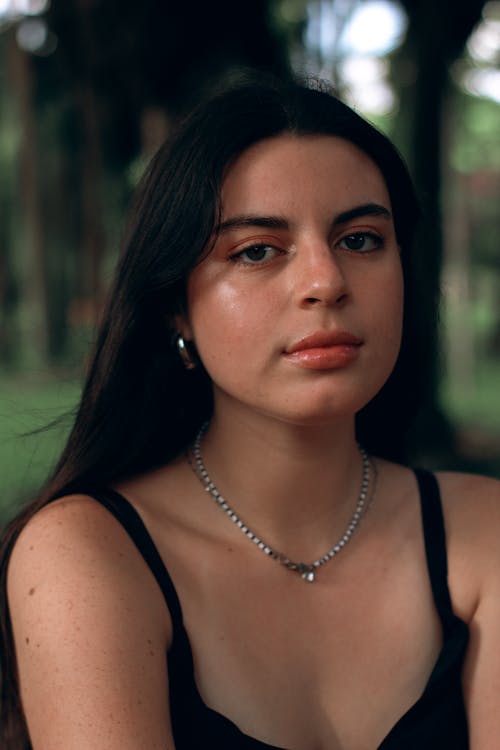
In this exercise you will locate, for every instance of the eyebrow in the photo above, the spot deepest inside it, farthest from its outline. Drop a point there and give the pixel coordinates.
(278, 222)
(367, 209)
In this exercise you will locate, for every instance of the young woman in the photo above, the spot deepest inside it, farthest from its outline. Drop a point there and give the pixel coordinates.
(217, 559)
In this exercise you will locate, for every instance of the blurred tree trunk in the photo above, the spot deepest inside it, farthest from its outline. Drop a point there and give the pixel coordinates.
(35, 255)
(58, 216)
(8, 284)
(436, 36)
(461, 351)
(8, 291)
(93, 240)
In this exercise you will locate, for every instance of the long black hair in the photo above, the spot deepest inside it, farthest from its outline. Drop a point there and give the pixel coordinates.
(140, 407)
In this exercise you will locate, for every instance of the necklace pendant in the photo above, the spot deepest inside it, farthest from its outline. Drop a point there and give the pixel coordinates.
(308, 575)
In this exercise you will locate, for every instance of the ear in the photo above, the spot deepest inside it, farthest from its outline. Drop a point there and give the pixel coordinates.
(183, 326)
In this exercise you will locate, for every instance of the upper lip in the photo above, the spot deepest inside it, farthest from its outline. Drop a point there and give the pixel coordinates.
(324, 338)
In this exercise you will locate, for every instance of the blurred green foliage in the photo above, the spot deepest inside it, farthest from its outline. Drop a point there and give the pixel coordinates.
(474, 143)
(35, 415)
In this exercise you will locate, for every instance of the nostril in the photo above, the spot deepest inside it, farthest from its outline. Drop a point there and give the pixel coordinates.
(315, 300)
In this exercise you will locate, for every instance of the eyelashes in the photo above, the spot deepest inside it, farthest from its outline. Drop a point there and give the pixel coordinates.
(362, 242)
(261, 253)
(257, 254)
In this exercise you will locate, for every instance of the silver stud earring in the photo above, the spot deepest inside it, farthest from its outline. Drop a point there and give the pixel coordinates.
(185, 355)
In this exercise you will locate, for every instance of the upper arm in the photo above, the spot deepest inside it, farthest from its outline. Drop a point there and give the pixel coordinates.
(90, 630)
(476, 550)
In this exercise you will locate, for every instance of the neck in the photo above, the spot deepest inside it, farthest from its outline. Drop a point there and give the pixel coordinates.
(295, 486)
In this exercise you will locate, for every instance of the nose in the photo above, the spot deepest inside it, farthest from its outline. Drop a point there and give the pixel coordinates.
(320, 278)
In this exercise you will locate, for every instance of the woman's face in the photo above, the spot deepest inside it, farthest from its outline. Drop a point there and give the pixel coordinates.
(297, 311)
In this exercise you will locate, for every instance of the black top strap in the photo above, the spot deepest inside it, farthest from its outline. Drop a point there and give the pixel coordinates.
(127, 516)
(435, 542)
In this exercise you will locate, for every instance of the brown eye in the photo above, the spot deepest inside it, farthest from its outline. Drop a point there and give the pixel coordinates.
(255, 254)
(361, 242)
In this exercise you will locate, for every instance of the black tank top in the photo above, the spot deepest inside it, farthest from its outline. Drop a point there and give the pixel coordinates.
(437, 720)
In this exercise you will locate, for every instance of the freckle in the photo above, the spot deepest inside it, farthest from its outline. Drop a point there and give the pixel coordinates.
(31, 548)
(31, 592)
(38, 645)
(27, 640)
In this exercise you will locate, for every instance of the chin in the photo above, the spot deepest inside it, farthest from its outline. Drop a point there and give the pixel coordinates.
(320, 404)
(325, 406)
(317, 415)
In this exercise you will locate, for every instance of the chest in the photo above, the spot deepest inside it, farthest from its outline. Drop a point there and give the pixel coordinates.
(291, 663)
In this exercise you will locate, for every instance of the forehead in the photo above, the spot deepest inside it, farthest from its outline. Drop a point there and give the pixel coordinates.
(284, 171)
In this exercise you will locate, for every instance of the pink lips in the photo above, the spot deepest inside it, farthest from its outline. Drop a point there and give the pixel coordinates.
(325, 350)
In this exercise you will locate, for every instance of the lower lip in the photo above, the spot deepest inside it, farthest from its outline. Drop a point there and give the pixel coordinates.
(325, 357)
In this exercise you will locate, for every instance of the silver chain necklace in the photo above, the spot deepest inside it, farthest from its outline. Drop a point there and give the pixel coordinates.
(306, 570)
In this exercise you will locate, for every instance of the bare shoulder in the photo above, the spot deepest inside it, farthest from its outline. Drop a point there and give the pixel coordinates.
(472, 514)
(471, 506)
(466, 487)
(471, 501)
(72, 533)
(90, 630)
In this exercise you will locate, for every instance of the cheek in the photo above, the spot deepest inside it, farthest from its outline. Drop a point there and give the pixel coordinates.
(382, 300)
(397, 296)
(391, 304)
(224, 321)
